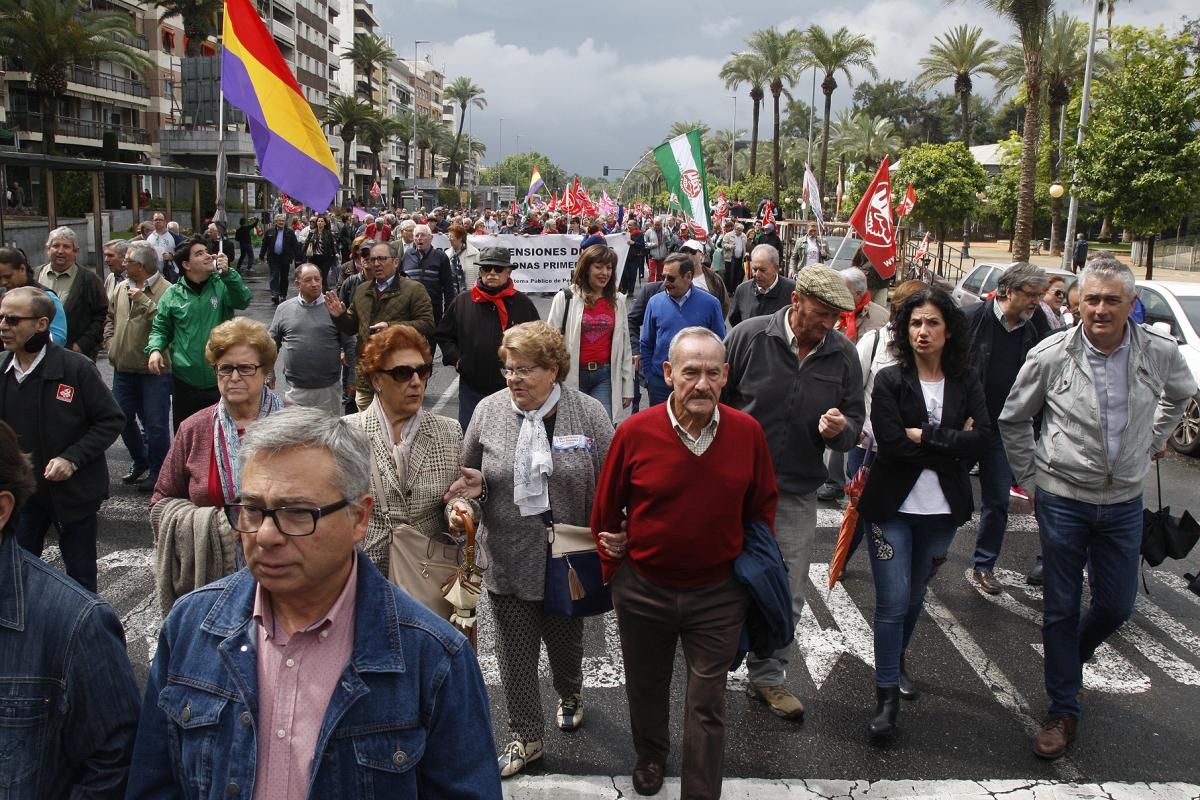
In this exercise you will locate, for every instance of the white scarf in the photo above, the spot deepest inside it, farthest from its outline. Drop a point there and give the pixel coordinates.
(532, 462)
(401, 448)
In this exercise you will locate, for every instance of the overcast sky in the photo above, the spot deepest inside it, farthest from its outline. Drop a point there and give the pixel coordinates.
(589, 89)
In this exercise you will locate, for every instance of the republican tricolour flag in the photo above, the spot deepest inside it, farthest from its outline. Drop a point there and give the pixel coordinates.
(535, 183)
(292, 150)
(682, 164)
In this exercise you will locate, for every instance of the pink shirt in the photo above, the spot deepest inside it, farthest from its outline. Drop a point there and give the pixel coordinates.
(296, 677)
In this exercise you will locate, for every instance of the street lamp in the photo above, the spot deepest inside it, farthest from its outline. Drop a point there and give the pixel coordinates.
(412, 158)
(499, 156)
(1056, 190)
(732, 138)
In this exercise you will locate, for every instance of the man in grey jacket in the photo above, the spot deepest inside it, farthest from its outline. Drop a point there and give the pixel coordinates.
(1109, 393)
(803, 382)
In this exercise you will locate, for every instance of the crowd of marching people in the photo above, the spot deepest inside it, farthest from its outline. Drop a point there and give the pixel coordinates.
(321, 551)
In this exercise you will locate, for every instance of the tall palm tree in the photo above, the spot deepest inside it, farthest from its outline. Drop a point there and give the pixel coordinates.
(378, 131)
(833, 54)
(368, 53)
(48, 38)
(464, 152)
(431, 135)
(685, 126)
(781, 54)
(958, 55)
(748, 69)
(199, 20)
(462, 93)
(350, 115)
(864, 139)
(1064, 57)
(1031, 18)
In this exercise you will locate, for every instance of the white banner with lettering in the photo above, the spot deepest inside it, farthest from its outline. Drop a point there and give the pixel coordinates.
(543, 263)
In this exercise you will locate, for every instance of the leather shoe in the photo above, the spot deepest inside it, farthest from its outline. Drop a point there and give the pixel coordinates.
(1055, 737)
(1034, 578)
(647, 776)
(146, 484)
(135, 474)
(830, 491)
(988, 583)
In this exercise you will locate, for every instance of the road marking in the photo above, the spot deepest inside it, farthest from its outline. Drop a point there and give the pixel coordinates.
(450, 391)
(1178, 584)
(611, 787)
(822, 647)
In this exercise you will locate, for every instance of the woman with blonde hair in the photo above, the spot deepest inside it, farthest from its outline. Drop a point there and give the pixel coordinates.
(591, 316)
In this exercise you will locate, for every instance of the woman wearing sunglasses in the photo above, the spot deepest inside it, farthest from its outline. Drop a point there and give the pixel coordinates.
(472, 326)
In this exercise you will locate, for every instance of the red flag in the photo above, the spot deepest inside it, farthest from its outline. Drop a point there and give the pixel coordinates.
(873, 221)
(769, 214)
(721, 211)
(513, 208)
(553, 202)
(907, 202)
(924, 248)
(375, 189)
(288, 206)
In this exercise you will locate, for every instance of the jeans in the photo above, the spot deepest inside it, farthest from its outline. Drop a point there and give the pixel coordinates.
(995, 479)
(468, 398)
(145, 398)
(597, 383)
(1107, 539)
(906, 551)
(245, 256)
(656, 388)
(795, 529)
(279, 276)
(76, 540)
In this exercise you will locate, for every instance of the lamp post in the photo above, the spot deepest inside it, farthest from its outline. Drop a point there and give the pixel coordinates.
(1073, 209)
(499, 157)
(412, 159)
(732, 139)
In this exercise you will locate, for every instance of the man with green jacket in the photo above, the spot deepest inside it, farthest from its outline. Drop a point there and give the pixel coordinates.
(187, 313)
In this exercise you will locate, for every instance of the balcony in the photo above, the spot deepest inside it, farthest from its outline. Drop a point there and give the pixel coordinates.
(89, 131)
(284, 35)
(107, 83)
(203, 142)
(136, 40)
(286, 5)
(335, 7)
(365, 12)
(334, 34)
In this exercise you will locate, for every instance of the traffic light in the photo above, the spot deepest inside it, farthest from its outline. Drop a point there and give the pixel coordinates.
(606, 170)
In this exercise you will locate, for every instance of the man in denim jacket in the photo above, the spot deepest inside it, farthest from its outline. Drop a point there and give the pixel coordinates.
(68, 700)
(307, 674)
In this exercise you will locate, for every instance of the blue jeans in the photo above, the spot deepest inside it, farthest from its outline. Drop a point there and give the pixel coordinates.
(995, 479)
(656, 388)
(906, 551)
(597, 383)
(146, 398)
(76, 540)
(1107, 539)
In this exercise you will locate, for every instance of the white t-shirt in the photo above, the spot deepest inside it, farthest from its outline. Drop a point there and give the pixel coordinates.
(926, 496)
(813, 249)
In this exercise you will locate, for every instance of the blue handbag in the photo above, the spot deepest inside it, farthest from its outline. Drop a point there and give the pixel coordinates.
(574, 581)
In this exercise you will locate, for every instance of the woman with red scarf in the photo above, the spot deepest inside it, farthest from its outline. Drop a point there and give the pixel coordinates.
(472, 327)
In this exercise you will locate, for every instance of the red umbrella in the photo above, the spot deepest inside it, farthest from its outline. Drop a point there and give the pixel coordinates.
(841, 550)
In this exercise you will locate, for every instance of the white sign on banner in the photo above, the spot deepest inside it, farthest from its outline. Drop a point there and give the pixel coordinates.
(543, 263)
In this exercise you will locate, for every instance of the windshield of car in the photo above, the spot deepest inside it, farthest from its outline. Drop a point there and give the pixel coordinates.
(1191, 307)
(840, 255)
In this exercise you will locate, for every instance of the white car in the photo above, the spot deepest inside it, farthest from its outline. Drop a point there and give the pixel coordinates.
(1174, 307)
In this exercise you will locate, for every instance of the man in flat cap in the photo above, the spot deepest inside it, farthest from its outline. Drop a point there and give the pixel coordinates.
(802, 381)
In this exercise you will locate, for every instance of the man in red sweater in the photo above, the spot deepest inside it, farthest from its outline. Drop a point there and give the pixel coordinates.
(672, 575)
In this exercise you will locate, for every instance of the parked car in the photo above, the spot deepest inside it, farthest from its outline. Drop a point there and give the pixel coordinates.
(980, 282)
(842, 250)
(1174, 307)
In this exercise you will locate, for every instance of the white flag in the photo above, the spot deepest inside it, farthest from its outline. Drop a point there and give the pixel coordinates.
(812, 196)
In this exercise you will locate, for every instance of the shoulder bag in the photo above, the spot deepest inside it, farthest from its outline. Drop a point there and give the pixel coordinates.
(574, 581)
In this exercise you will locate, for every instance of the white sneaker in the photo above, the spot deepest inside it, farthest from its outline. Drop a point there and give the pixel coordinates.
(570, 713)
(518, 753)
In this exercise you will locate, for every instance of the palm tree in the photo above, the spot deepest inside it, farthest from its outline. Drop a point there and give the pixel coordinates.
(959, 54)
(717, 148)
(350, 115)
(834, 54)
(368, 53)
(462, 93)
(682, 127)
(749, 69)
(781, 54)
(47, 38)
(432, 138)
(1031, 18)
(464, 152)
(378, 131)
(1064, 57)
(199, 20)
(864, 139)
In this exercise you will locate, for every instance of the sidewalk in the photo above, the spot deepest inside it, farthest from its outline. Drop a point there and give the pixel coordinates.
(997, 253)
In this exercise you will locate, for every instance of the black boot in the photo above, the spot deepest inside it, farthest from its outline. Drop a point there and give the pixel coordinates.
(908, 689)
(883, 724)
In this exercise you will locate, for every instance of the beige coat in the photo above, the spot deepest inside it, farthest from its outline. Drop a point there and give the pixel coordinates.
(127, 326)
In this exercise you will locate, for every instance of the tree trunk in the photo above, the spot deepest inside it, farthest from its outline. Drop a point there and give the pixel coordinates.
(1105, 228)
(1150, 256)
(452, 173)
(49, 106)
(1023, 229)
(776, 90)
(964, 104)
(346, 167)
(825, 138)
(754, 137)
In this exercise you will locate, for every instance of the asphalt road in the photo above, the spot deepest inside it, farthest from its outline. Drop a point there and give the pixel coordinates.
(977, 658)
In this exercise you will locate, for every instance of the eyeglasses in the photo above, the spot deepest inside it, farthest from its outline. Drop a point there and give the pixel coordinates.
(245, 370)
(378, 259)
(404, 373)
(520, 373)
(1059, 294)
(669, 278)
(289, 520)
(491, 268)
(13, 320)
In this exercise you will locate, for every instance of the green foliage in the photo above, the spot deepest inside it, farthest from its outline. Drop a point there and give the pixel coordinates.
(947, 179)
(73, 193)
(1142, 151)
(515, 170)
(751, 187)
(1003, 189)
(856, 184)
(448, 196)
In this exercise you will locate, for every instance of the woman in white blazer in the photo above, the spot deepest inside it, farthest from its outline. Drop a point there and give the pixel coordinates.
(591, 316)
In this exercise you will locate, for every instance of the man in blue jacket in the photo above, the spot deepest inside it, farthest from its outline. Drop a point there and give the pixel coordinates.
(308, 674)
(669, 312)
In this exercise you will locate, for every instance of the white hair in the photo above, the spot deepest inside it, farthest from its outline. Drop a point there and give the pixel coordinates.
(64, 233)
(856, 281)
(422, 229)
(697, 331)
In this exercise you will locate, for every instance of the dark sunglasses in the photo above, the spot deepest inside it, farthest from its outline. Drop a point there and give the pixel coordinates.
(404, 373)
(492, 268)
(13, 320)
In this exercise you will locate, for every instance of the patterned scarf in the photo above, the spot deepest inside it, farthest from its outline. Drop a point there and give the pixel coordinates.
(227, 444)
(532, 462)
(401, 448)
(482, 294)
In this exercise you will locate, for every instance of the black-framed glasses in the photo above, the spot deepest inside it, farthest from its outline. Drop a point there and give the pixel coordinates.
(492, 268)
(289, 520)
(13, 320)
(404, 373)
(245, 370)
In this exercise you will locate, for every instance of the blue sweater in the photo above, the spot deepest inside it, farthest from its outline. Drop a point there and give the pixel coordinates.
(665, 318)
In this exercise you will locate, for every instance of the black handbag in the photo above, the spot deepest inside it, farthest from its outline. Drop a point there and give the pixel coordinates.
(574, 580)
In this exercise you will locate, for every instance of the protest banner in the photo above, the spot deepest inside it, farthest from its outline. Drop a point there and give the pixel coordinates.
(543, 263)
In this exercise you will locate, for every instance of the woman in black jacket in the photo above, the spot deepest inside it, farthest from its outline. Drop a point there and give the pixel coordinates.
(320, 249)
(930, 421)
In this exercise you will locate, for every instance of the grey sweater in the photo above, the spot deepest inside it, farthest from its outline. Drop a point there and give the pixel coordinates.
(516, 545)
(313, 346)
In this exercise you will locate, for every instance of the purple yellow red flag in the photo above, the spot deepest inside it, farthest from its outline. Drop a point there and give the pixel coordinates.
(292, 150)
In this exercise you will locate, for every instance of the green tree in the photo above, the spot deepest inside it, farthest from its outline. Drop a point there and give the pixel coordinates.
(832, 54)
(48, 38)
(748, 69)
(349, 115)
(683, 127)
(1030, 17)
(515, 169)
(796, 116)
(781, 54)
(717, 149)
(1142, 152)
(463, 93)
(464, 154)
(379, 130)
(864, 139)
(947, 180)
(958, 55)
(199, 20)
(368, 53)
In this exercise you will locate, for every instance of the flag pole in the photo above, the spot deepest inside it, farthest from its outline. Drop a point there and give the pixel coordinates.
(222, 172)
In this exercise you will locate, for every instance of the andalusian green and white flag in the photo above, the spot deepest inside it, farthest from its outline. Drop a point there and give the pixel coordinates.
(682, 164)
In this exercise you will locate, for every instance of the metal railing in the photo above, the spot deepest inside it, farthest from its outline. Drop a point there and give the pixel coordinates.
(109, 83)
(1182, 253)
(134, 40)
(949, 269)
(78, 128)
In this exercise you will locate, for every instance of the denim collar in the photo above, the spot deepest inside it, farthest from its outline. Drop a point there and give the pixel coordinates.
(12, 584)
(376, 633)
